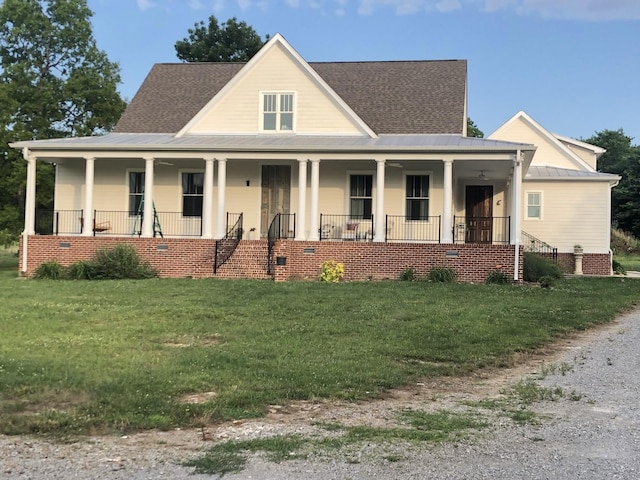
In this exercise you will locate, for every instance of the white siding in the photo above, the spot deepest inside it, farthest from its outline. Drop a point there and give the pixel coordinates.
(547, 153)
(239, 111)
(572, 213)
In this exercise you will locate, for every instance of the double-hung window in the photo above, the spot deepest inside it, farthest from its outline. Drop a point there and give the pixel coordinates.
(277, 112)
(534, 205)
(136, 191)
(192, 192)
(417, 197)
(360, 198)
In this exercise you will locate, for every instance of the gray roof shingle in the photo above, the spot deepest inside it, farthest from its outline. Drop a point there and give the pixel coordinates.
(398, 97)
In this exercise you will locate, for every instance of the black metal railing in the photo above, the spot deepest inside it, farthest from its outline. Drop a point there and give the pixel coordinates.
(535, 245)
(402, 228)
(346, 227)
(283, 225)
(226, 246)
(165, 224)
(59, 222)
(494, 230)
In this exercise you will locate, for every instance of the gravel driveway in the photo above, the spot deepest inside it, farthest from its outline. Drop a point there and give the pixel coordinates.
(595, 434)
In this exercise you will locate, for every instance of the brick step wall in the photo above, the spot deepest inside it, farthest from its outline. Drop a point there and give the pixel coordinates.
(248, 261)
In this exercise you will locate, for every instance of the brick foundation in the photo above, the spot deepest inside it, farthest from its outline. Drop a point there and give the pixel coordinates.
(592, 263)
(180, 257)
(378, 261)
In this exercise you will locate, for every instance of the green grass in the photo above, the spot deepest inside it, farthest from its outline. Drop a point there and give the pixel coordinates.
(81, 357)
(9, 259)
(630, 262)
(417, 426)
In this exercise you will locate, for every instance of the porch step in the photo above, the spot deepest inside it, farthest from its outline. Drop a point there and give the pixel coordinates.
(248, 261)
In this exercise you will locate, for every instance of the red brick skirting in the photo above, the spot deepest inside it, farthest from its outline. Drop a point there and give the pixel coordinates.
(193, 257)
(378, 261)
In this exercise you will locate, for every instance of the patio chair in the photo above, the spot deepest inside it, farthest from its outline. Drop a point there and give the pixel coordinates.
(350, 231)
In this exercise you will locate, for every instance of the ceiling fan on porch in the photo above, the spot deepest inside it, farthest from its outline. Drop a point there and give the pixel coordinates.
(163, 162)
(482, 176)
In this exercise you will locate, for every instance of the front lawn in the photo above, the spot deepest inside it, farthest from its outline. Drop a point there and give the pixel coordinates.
(103, 356)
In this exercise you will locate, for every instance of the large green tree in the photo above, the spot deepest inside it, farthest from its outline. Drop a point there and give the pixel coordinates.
(622, 158)
(54, 82)
(473, 130)
(232, 41)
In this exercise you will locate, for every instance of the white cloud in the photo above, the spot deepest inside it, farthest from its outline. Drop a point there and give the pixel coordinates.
(593, 10)
(195, 5)
(146, 4)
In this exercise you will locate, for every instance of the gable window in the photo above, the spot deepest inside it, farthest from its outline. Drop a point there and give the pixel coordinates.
(136, 190)
(192, 192)
(360, 199)
(277, 112)
(534, 205)
(417, 197)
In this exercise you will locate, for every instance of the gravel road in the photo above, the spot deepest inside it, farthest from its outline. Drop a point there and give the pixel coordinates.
(593, 432)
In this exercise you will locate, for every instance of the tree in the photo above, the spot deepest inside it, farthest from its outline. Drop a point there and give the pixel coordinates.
(473, 130)
(621, 158)
(233, 41)
(54, 82)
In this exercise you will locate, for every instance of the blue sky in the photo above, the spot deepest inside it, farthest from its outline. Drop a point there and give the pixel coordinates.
(573, 65)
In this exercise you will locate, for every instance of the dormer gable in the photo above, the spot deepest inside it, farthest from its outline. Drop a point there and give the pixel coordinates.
(277, 92)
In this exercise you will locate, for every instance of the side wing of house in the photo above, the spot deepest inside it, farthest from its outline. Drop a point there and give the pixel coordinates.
(566, 202)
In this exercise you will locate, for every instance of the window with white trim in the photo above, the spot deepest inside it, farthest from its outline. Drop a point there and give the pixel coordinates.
(534, 205)
(136, 191)
(277, 112)
(417, 197)
(360, 198)
(192, 193)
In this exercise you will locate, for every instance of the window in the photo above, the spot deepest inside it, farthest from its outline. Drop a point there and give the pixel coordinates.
(417, 194)
(192, 188)
(534, 205)
(360, 196)
(136, 190)
(277, 112)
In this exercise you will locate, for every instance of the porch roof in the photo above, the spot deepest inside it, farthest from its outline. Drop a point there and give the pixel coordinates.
(555, 173)
(446, 143)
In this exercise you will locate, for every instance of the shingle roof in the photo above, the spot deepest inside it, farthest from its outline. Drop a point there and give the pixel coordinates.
(399, 97)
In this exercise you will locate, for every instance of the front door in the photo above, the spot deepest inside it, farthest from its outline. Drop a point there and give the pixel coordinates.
(276, 189)
(479, 211)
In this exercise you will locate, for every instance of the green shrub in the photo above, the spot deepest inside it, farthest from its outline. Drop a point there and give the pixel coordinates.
(332, 271)
(497, 277)
(536, 266)
(442, 275)
(618, 268)
(121, 261)
(84, 270)
(408, 275)
(547, 281)
(51, 270)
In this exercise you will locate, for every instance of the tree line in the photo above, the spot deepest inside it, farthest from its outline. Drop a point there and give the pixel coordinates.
(55, 82)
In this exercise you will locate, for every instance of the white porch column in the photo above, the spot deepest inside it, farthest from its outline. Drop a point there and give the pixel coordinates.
(30, 198)
(301, 221)
(87, 227)
(516, 218)
(222, 194)
(380, 233)
(314, 221)
(29, 208)
(207, 200)
(148, 218)
(447, 202)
